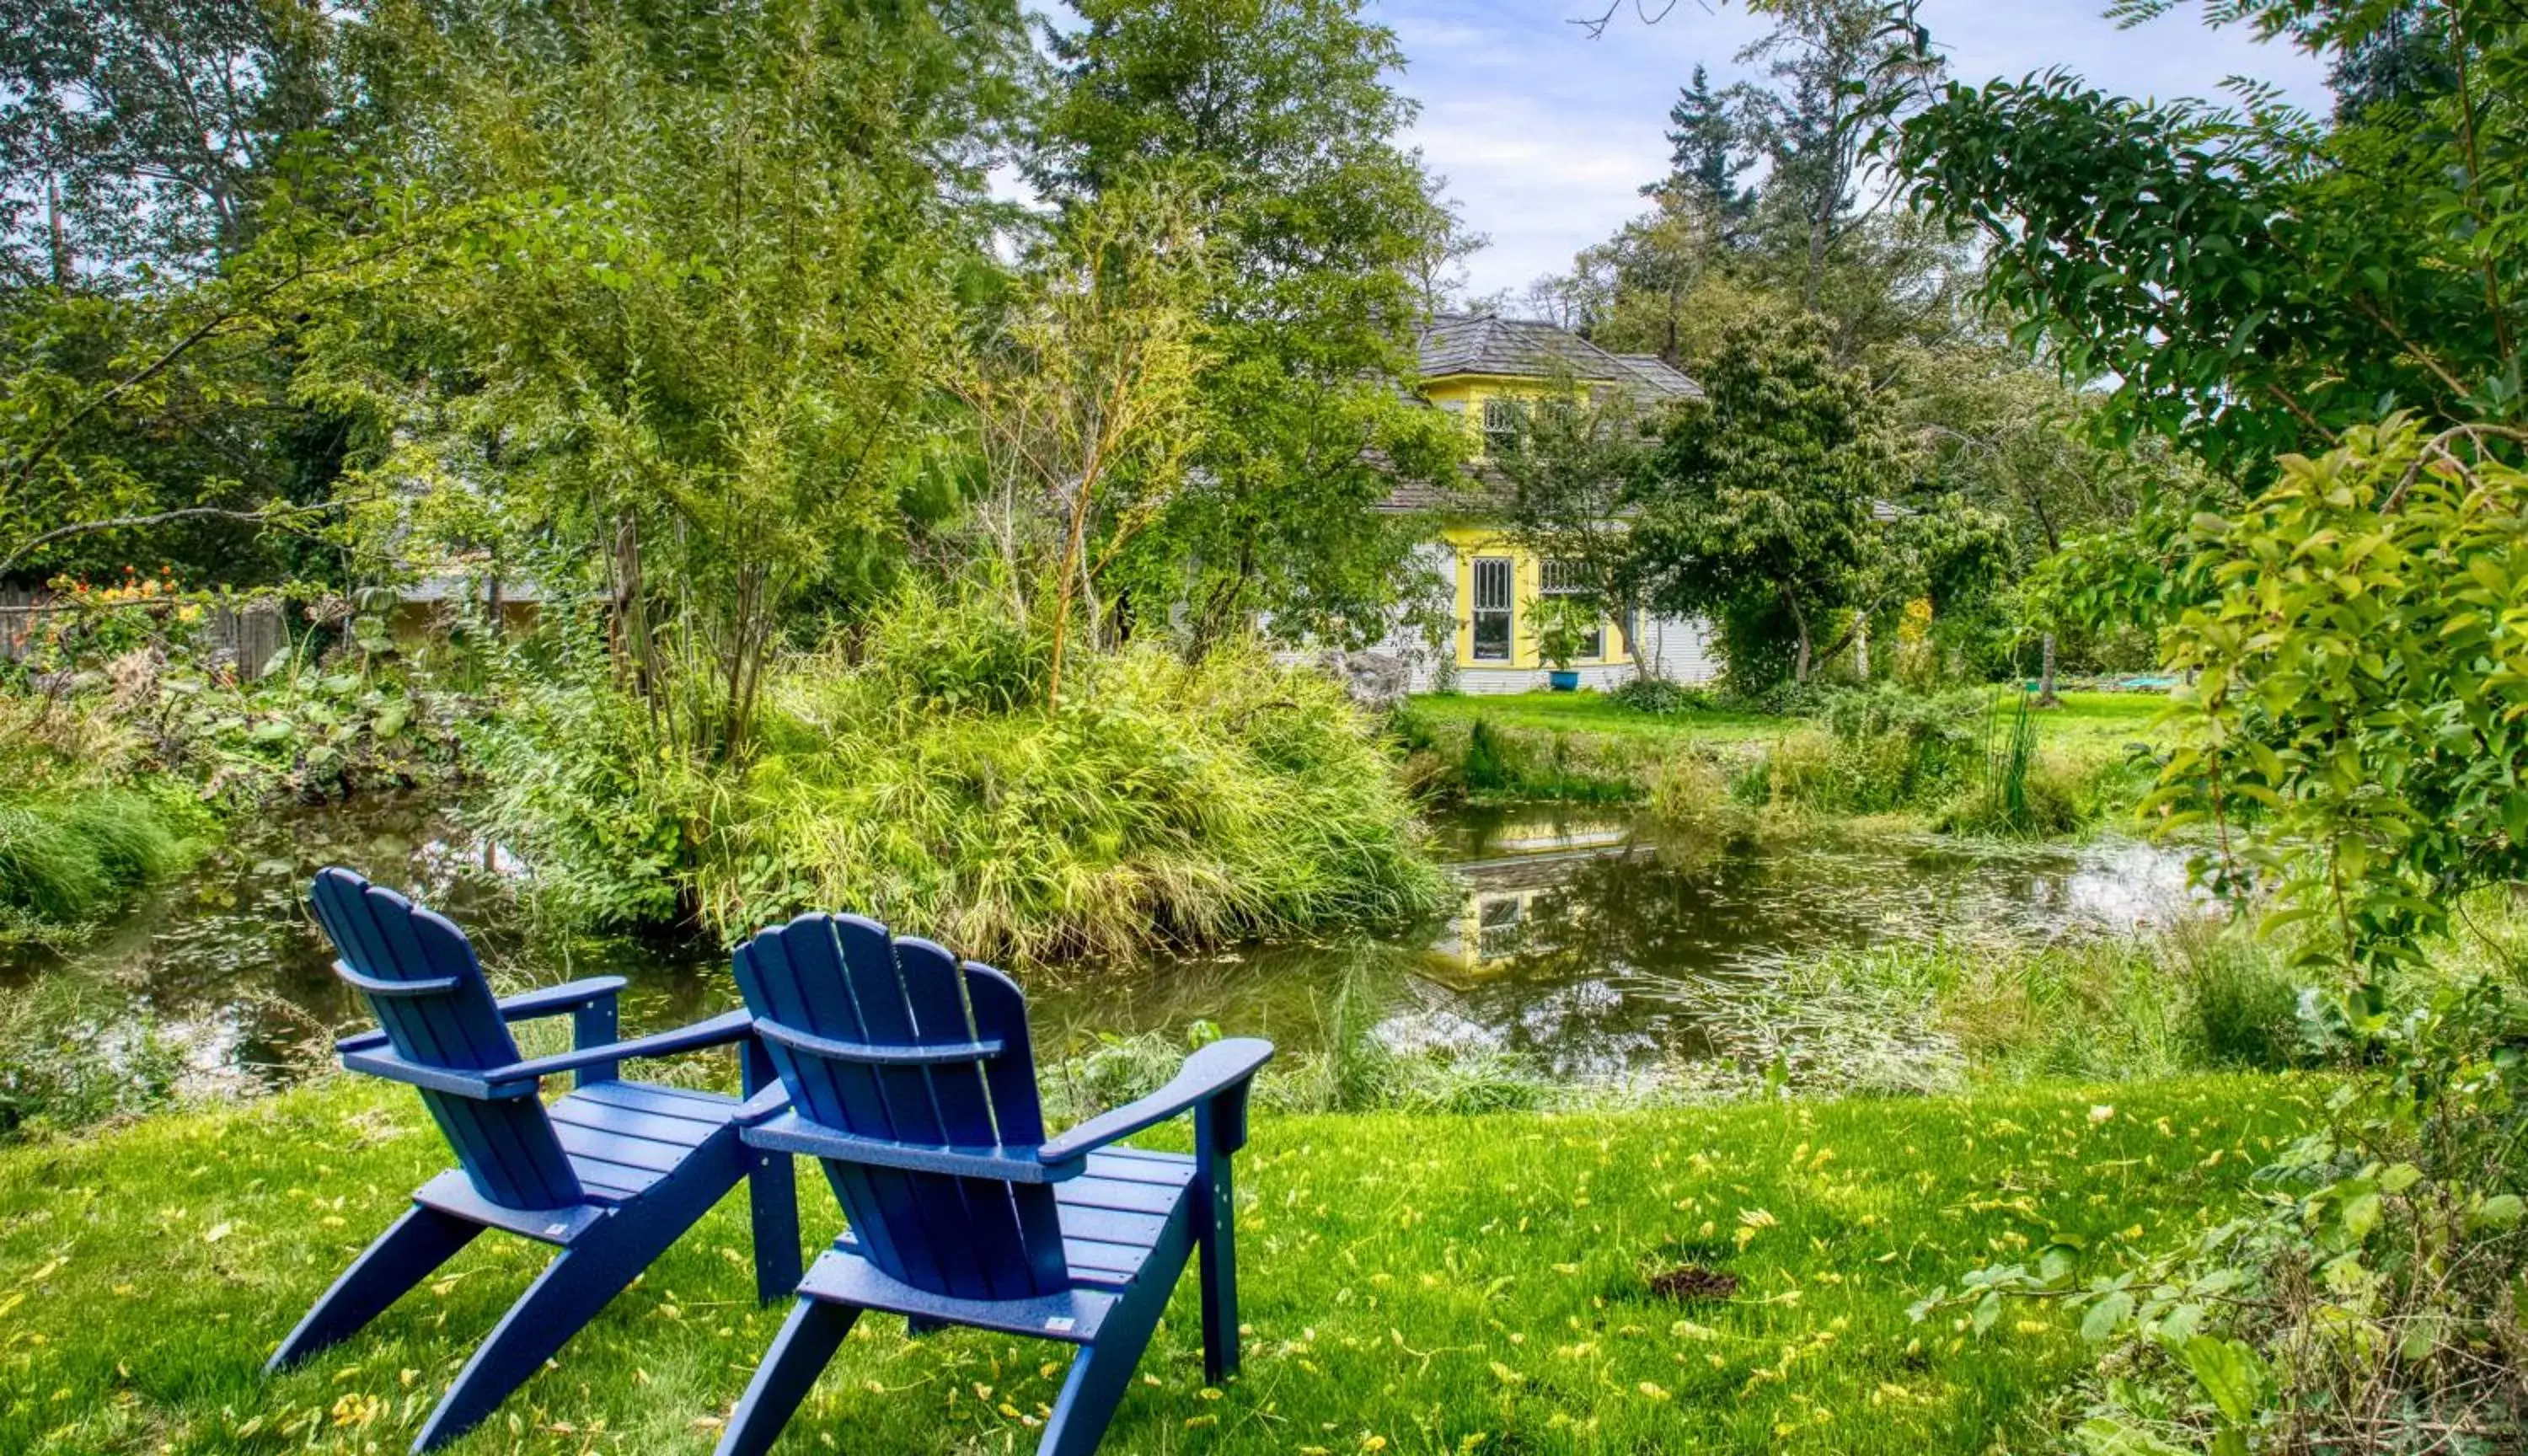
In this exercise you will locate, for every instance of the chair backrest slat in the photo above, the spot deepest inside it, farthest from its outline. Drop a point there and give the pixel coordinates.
(845, 980)
(421, 980)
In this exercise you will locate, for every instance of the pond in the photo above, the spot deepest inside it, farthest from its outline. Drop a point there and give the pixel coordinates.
(1583, 938)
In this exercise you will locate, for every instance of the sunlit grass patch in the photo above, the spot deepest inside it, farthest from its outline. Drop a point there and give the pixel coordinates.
(1411, 1284)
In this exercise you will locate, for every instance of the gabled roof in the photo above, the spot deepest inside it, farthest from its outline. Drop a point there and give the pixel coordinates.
(1458, 343)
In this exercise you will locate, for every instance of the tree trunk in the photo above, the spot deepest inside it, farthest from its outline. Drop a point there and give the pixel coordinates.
(2045, 674)
(1800, 622)
(1065, 588)
(1861, 646)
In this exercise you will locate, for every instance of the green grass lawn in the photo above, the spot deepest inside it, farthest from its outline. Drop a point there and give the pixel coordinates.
(2086, 723)
(1596, 713)
(1412, 1284)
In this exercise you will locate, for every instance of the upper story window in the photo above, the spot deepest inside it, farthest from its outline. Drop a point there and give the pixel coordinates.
(1505, 424)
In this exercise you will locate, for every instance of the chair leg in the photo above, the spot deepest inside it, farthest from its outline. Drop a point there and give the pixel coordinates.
(413, 1246)
(570, 1291)
(1216, 1248)
(772, 1201)
(798, 1354)
(772, 1192)
(1101, 1374)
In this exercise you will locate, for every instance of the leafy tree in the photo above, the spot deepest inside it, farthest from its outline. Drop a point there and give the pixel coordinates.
(2007, 438)
(1571, 484)
(1839, 69)
(1663, 284)
(136, 136)
(2253, 282)
(145, 149)
(704, 273)
(1439, 268)
(1087, 403)
(1761, 501)
(1317, 221)
(2405, 61)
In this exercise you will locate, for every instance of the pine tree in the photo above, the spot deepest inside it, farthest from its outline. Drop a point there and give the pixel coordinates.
(1709, 150)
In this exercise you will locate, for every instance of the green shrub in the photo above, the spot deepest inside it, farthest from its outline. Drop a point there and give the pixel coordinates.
(571, 787)
(1163, 803)
(1873, 751)
(1696, 793)
(956, 655)
(1658, 697)
(71, 1059)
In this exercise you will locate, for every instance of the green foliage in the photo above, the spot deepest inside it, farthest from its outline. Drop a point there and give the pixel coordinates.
(567, 786)
(2254, 282)
(1163, 803)
(70, 1058)
(1501, 767)
(1874, 751)
(1762, 496)
(1571, 477)
(2355, 679)
(1282, 116)
(306, 731)
(720, 427)
(1561, 625)
(2019, 792)
(1659, 698)
(2356, 683)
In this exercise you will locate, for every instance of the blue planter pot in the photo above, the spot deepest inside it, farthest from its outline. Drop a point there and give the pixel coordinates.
(1563, 681)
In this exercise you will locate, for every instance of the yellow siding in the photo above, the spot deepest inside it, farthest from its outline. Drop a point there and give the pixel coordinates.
(1469, 392)
(1527, 575)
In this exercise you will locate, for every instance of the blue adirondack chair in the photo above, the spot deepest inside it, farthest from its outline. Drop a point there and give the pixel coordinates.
(612, 1173)
(912, 1079)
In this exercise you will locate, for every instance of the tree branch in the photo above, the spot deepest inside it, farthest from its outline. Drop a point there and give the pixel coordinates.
(269, 515)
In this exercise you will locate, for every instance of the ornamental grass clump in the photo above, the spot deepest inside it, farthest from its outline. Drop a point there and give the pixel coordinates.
(925, 782)
(1161, 802)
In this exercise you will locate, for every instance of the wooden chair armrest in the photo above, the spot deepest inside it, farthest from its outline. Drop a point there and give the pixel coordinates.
(724, 1029)
(553, 1000)
(1222, 1069)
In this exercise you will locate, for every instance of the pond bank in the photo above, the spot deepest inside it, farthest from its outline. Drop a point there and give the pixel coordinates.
(1584, 952)
(1465, 1285)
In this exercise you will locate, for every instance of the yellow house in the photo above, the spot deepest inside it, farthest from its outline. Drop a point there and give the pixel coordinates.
(1488, 371)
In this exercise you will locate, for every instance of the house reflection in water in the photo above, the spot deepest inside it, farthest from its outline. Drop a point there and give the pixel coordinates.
(1516, 905)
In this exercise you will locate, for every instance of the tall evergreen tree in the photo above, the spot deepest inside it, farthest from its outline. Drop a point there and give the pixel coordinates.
(1709, 150)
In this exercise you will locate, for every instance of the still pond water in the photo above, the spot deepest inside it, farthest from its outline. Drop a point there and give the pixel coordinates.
(1581, 938)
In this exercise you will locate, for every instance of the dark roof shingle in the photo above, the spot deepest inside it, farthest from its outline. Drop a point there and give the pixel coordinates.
(1531, 348)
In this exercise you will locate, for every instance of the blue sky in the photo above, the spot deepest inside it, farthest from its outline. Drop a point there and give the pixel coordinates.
(1546, 136)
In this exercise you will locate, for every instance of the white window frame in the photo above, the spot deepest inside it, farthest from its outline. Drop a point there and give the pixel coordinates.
(1506, 608)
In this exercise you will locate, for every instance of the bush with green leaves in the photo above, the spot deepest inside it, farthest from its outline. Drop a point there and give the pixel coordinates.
(2361, 677)
(1660, 698)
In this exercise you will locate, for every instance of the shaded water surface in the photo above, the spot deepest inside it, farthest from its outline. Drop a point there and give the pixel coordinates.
(1579, 938)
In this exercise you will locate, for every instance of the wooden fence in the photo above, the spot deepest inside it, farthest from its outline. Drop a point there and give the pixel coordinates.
(255, 632)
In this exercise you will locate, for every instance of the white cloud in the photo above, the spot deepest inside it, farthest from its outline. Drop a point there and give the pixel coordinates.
(1547, 135)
